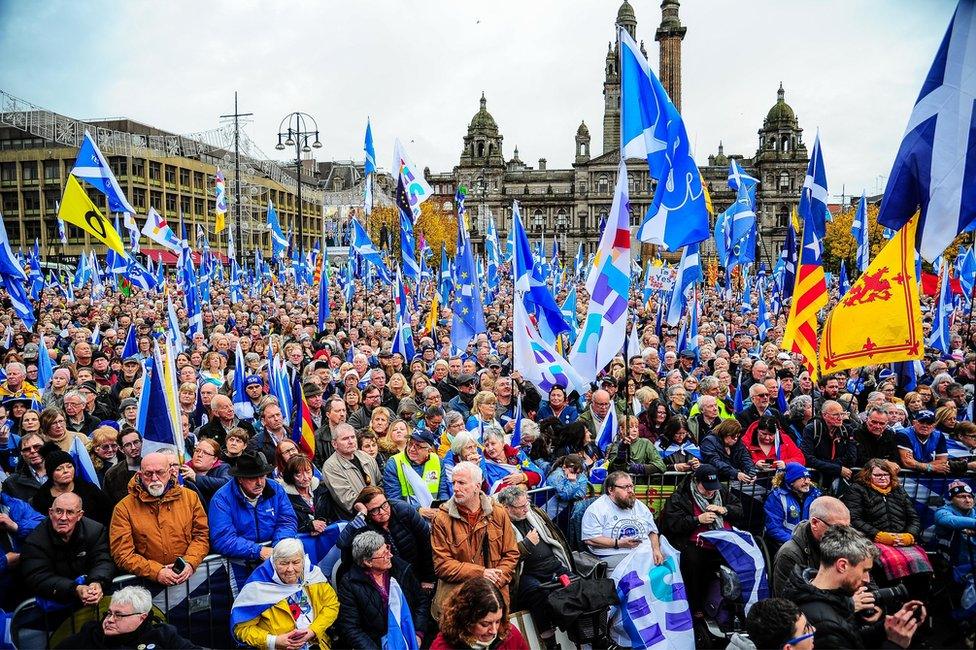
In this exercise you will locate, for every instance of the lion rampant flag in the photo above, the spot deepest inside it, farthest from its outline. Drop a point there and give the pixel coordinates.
(880, 319)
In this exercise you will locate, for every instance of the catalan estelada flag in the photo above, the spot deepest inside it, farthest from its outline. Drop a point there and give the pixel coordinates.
(302, 426)
(879, 320)
(810, 290)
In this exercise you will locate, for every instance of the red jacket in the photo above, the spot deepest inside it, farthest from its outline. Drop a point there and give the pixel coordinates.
(788, 451)
(514, 641)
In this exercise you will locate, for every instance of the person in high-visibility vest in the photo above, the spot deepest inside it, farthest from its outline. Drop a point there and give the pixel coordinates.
(416, 475)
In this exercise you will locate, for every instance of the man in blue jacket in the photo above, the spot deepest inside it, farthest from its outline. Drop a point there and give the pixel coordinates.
(250, 510)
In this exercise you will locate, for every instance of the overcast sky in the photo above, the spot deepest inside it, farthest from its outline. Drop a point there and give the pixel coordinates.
(853, 68)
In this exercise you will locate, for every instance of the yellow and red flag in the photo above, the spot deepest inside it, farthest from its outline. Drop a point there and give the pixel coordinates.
(302, 427)
(880, 319)
(809, 296)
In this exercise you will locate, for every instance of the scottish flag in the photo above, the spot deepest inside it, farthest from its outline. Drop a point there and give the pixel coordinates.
(173, 336)
(940, 338)
(742, 235)
(444, 282)
(762, 316)
(652, 128)
(13, 277)
(935, 168)
(45, 369)
(568, 310)
(790, 260)
(723, 237)
(609, 430)
(363, 246)
(408, 247)
(400, 633)
(91, 166)
(813, 195)
(158, 418)
(739, 550)
(491, 253)
(403, 339)
(530, 284)
(859, 229)
(967, 272)
(369, 165)
(843, 284)
(737, 177)
(689, 272)
(138, 276)
(263, 589)
(131, 346)
(324, 281)
(242, 404)
(236, 294)
(279, 243)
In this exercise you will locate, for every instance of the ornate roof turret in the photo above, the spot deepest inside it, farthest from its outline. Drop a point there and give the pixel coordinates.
(482, 120)
(582, 130)
(720, 159)
(781, 111)
(627, 19)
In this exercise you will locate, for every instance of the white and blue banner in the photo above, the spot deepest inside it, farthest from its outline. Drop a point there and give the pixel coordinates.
(743, 556)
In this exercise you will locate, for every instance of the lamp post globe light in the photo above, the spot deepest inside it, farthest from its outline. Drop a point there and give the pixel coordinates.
(298, 129)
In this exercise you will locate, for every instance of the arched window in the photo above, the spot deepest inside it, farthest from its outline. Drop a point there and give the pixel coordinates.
(784, 180)
(786, 144)
(783, 219)
(603, 184)
(481, 149)
(538, 219)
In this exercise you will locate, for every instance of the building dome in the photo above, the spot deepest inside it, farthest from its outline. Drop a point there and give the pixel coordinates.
(626, 13)
(781, 111)
(582, 130)
(482, 120)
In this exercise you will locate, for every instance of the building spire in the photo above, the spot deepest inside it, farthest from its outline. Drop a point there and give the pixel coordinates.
(669, 35)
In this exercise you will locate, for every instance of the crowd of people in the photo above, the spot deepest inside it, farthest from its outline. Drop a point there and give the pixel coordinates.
(442, 508)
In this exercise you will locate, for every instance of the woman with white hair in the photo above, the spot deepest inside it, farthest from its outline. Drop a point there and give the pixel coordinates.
(286, 603)
(128, 623)
(463, 447)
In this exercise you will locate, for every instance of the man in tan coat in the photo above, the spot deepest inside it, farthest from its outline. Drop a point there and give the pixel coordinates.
(157, 523)
(472, 536)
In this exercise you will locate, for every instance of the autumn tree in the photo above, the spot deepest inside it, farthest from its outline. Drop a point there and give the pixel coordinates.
(436, 225)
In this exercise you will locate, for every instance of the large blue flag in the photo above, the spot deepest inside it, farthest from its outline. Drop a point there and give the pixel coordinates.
(530, 284)
(652, 128)
(243, 407)
(789, 256)
(363, 246)
(408, 244)
(738, 177)
(469, 314)
(935, 168)
(279, 243)
(940, 338)
(13, 277)
(369, 166)
(689, 272)
(131, 347)
(743, 226)
(91, 166)
(139, 276)
(157, 419)
(813, 195)
(45, 368)
(859, 229)
(403, 339)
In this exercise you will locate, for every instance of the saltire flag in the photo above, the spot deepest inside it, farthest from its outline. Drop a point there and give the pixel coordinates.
(460, 194)
(781, 403)
(530, 285)
(243, 408)
(568, 310)
(408, 244)
(762, 316)
(416, 186)
(578, 263)
(967, 272)
(742, 226)
(174, 339)
(517, 417)
(13, 278)
(158, 230)
(469, 314)
(263, 589)
(608, 284)
(221, 201)
(789, 256)
(879, 320)
(278, 386)
(940, 337)
(403, 339)
(324, 280)
(651, 128)
(236, 293)
(45, 368)
(843, 284)
(158, 418)
(363, 246)
(400, 632)
(62, 236)
(279, 243)
(139, 277)
(77, 208)
(609, 430)
(131, 346)
(302, 424)
(859, 229)
(723, 237)
(34, 274)
(653, 609)
(739, 550)
(935, 168)
(537, 360)
(737, 177)
(444, 283)
(491, 253)
(91, 167)
(83, 462)
(82, 272)
(369, 167)
(689, 272)
(810, 290)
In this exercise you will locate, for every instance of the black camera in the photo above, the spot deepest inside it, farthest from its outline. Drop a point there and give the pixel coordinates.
(890, 595)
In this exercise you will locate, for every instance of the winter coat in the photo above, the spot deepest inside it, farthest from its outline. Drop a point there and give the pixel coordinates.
(960, 547)
(277, 619)
(237, 528)
(116, 483)
(678, 521)
(408, 536)
(832, 613)
(321, 505)
(801, 550)
(207, 483)
(161, 635)
(22, 484)
(463, 551)
(870, 446)
(873, 512)
(728, 464)
(514, 641)
(824, 454)
(785, 509)
(50, 566)
(93, 501)
(216, 430)
(363, 612)
(150, 532)
(751, 414)
(788, 451)
(344, 480)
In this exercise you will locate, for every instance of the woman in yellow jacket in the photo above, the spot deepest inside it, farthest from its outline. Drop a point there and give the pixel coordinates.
(286, 604)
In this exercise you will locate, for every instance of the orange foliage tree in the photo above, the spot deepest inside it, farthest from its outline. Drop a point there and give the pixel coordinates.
(438, 227)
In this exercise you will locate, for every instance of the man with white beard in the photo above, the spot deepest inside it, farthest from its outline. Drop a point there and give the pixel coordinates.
(158, 525)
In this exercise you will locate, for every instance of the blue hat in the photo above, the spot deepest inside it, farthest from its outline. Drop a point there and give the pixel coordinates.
(421, 434)
(925, 416)
(795, 471)
(886, 373)
(252, 380)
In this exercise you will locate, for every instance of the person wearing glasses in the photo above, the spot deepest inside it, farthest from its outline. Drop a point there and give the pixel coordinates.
(760, 398)
(116, 482)
(30, 474)
(616, 523)
(128, 623)
(775, 624)
(63, 548)
(159, 522)
(837, 603)
(828, 445)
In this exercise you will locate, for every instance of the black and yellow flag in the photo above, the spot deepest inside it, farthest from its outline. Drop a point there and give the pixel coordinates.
(78, 209)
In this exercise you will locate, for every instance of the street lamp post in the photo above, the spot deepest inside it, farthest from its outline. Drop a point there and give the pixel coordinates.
(294, 127)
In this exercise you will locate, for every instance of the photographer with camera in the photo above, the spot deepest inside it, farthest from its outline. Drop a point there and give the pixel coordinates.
(836, 600)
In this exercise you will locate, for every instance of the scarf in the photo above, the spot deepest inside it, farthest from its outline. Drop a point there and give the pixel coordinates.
(884, 491)
(703, 503)
(264, 589)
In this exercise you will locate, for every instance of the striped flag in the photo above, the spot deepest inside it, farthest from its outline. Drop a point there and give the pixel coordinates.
(810, 290)
(302, 426)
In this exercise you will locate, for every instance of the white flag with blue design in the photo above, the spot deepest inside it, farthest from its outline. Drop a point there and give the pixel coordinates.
(940, 338)
(738, 549)
(652, 128)
(91, 166)
(536, 359)
(935, 168)
(689, 272)
(859, 229)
